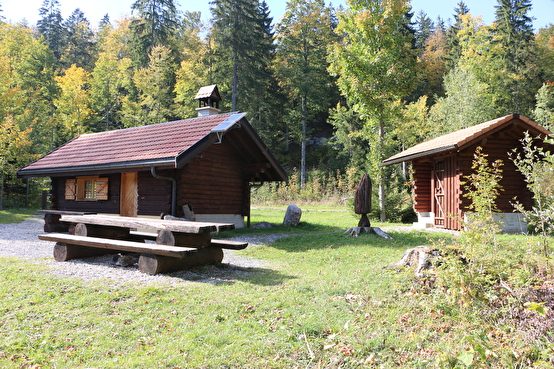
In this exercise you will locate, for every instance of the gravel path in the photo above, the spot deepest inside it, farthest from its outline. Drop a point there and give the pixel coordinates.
(20, 240)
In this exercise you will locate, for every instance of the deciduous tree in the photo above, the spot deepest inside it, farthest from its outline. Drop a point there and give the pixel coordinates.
(375, 64)
(73, 104)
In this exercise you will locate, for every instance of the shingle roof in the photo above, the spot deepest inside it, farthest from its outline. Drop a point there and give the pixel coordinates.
(159, 144)
(459, 139)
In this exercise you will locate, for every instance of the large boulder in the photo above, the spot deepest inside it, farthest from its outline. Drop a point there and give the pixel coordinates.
(292, 216)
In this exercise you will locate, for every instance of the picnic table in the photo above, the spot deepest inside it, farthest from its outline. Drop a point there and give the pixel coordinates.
(164, 245)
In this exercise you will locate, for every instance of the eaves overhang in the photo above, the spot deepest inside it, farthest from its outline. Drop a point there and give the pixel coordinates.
(417, 155)
(130, 165)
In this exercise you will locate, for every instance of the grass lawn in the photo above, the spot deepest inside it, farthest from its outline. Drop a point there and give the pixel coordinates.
(324, 300)
(16, 215)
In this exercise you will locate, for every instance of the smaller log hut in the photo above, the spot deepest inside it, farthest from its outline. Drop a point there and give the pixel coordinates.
(440, 166)
(208, 163)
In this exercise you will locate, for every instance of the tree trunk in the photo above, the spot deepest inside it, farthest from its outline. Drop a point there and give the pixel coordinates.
(383, 215)
(235, 83)
(304, 134)
(2, 190)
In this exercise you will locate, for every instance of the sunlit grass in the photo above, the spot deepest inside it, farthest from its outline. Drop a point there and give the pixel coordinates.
(320, 299)
(16, 215)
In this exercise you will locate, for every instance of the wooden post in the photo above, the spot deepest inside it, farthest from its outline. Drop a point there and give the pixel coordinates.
(44, 199)
(155, 264)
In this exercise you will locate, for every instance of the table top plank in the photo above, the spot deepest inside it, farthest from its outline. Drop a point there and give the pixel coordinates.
(148, 223)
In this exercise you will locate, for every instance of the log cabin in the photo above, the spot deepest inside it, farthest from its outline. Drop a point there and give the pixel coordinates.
(440, 166)
(208, 163)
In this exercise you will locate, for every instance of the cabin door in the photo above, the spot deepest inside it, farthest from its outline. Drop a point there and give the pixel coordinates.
(128, 205)
(438, 198)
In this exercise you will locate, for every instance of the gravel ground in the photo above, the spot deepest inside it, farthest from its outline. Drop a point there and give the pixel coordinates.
(20, 240)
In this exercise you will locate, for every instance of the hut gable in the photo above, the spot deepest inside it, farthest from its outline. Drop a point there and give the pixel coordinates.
(441, 164)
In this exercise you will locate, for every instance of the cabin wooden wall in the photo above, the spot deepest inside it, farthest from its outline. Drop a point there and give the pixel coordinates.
(100, 206)
(154, 195)
(214, 183)
(512, 183)
(422, 185)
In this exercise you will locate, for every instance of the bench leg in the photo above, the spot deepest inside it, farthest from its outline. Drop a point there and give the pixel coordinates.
(155, 264)
(65, 252)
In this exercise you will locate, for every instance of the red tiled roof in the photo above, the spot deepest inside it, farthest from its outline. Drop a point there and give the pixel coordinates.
(157, 143)
(458, 139)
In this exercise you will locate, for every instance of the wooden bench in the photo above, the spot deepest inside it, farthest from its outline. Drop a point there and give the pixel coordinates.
(178, 244)
(153, 258)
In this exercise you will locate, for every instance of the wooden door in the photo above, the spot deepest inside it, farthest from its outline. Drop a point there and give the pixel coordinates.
(438, 198)
(128, 206)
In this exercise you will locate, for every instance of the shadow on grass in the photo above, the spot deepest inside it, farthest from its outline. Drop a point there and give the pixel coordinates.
(337, 239)
(228, 274)
(302, 227)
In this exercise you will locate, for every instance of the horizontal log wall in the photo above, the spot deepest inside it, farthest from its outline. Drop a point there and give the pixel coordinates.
(213, 183)
(512, 183)
(154, 194)
(422, 186)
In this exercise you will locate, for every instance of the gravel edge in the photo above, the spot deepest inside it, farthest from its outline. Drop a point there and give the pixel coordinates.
(20, 240)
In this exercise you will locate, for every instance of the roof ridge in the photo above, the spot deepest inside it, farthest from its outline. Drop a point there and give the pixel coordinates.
(154, 125)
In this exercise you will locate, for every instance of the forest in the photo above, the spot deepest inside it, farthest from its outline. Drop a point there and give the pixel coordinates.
(330, 91)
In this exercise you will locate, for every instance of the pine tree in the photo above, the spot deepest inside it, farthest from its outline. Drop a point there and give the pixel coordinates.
(454, 48)
(303, 37)
(424, 28)
(514, 26)
(239, 34)
(50, 26)
(80, 47)
(156, 26)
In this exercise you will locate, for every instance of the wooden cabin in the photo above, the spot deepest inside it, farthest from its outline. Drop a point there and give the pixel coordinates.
(208, 163)
(440, 166)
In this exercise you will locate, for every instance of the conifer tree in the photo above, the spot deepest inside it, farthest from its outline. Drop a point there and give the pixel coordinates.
(303, 37)
(454, 48)
(514, 26)
(240, 34)
(79, 46)
(156, 25)
(50, 26)
(424, 28)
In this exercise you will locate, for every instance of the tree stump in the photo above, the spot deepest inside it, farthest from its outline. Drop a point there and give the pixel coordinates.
(420, 256)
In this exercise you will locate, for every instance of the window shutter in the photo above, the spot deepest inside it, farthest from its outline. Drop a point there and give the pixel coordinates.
(70, 189)
(102, 189)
